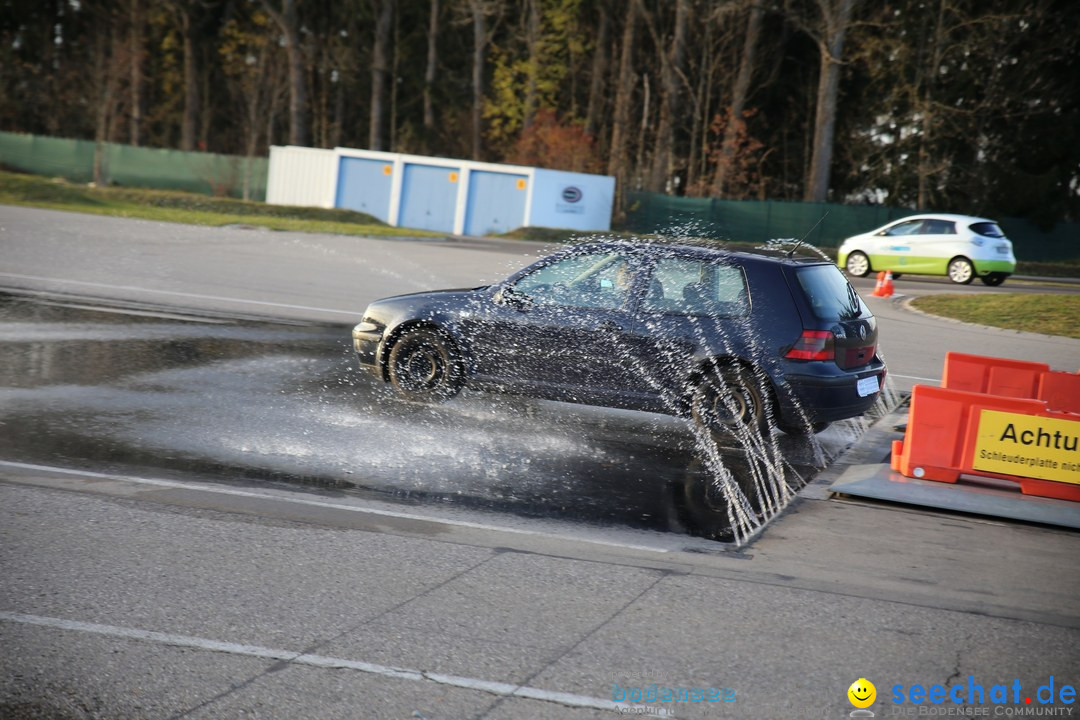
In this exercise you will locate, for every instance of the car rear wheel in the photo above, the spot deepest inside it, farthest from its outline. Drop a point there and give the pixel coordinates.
(425, 366)
(961, 271)
(857, 264)
(993, 279)
(727, 399)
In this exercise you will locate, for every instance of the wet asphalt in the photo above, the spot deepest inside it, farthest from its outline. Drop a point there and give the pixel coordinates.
(124, 391)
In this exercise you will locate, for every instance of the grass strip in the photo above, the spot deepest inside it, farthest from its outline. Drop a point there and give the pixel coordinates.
(1030, 312)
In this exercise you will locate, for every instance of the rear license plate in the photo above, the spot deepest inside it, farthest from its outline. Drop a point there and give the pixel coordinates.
(868, 386)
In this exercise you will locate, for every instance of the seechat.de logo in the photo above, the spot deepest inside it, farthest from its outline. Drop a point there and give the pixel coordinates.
(571, 194)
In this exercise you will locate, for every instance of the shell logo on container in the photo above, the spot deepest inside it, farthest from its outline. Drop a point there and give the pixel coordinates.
(387, 169)
(453, 177)
(521, 184)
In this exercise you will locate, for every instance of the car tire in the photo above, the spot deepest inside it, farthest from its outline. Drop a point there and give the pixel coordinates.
(702, 507)
(993, 279)
(729, 398)
(897, 276)
(425, 366)
(961, 271)
(857, 265)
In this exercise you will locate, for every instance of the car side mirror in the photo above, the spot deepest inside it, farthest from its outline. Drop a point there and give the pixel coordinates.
(511, 298)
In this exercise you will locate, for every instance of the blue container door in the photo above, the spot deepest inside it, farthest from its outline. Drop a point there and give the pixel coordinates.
(429, 197)
(364, 185)
(496, 203)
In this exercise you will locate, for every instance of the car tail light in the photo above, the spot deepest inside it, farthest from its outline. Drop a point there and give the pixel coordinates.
(813, 345)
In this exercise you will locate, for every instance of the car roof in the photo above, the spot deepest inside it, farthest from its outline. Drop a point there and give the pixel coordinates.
(703, 250)
(942, 216)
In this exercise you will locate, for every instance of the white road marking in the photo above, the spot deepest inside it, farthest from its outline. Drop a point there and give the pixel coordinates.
(299, 658)
(173, 293)
(316, 503)
(912, 377)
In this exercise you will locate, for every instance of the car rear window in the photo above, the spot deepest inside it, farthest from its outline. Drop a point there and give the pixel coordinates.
(987, 229)
(830, 295)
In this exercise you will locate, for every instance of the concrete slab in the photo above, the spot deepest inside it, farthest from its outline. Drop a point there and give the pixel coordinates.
(981, 496)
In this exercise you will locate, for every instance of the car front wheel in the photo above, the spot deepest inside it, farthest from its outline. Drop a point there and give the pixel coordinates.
(425, 366)
(993, 279)
(961, 271)
(857, 264)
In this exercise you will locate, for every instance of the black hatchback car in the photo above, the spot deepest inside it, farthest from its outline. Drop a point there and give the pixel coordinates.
(734, 339)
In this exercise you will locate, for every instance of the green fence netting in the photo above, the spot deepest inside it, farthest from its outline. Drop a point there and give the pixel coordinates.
(208, 173)
(759, 221)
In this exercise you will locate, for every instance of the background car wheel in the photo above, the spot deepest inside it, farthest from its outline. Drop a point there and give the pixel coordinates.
(993, 279)
(897, 276)
(857, 264)
(727, 399)
(961, 271)
(425, 366)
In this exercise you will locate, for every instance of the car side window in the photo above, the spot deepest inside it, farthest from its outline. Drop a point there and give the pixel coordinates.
(938, 227)
(687, 286)
(912, 227)
(591, 280)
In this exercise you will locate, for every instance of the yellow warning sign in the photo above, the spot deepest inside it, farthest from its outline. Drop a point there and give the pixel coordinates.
(1028, 446)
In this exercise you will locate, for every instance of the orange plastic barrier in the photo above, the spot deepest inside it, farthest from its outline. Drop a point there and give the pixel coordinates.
(1012, 378)
(1061, 391)
(996, 376)
(884, 286)
(944, 440)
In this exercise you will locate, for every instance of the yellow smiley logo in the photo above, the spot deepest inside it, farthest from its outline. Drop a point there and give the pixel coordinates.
(862, 693)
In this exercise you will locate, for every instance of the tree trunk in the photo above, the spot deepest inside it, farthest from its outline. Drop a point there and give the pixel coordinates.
(738, 97)
(620, 124)
(926, 100)
(289, 24)
(189, 125)
(107, 84)
(136, 51)
(532, 41)
(836, 15)
(380, 74)
(479, 44)
(598, 80)
(671, 65)
(429, 75)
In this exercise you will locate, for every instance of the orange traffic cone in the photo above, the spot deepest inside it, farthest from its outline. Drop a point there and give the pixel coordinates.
(887, 287)
(880, 287)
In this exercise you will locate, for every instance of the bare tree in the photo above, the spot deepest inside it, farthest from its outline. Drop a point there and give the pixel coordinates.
(599, 70)
(835, 18)
(671, 83)
(738, 96)
(137, 53)
(624, 90)
(289, 23)
(479, 12)
(429, 74)
(380, 72)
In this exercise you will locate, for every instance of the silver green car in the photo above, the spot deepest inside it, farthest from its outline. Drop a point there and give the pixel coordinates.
(958, 246)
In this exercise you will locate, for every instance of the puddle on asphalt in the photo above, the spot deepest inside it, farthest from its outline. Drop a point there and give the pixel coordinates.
(270, 402)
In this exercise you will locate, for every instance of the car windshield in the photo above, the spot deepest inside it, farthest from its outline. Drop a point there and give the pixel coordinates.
(830, 294)
(987, 229)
